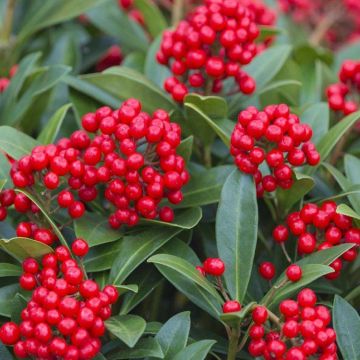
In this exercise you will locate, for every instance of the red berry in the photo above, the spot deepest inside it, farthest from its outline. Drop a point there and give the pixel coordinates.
(231, 306)
(214, 266)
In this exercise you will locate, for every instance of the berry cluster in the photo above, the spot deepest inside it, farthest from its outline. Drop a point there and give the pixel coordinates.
(210, 46)
(276, 136)
(342, 17)
(216, 267)
(112, 57)
(303, 332)
(130, 153)
(65, 317)
(318, 228)
(344, 96)
(5, 81)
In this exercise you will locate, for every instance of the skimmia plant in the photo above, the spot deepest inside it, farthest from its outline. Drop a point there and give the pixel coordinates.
(179, 179)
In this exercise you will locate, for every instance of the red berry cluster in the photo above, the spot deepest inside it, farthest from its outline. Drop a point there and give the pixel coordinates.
(65, 317)
(343, 15)
(303, 332)
(134, 13)
(5, 81)
(209, 47)
(112, 57)
(344, 96)
(276, 136)
(318, 228)
(132, 154)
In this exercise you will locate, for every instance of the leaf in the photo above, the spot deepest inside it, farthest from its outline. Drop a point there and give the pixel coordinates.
(185, 148)
(42, 15)
(205, 187)
(317, 116)
(236, 231)
(21, 248)
(147, 347)
(128, 328)
(125, 288)
(113, 21)
(10, 270)
(154, 71)
(4, 353)
(153, 17)
(173, 335)
(195, 351)
(267, 32)
(98, 233)
(124, 83)
(15, 143)
(50, 131)
(302, 185)
(186, 270)
(234, 319)
(263, 69)
(348, 211)
(134, 249)
(310, 272)
(352, 164)
(347, 326)
(7, 294)
(184, 219)
(5, 170)
(349, 51)
(102, 257)
(327, 142)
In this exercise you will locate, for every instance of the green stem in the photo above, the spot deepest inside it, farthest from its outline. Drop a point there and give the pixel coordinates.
(207, 156)
(233, 344)
(8, 21)
(177, 12)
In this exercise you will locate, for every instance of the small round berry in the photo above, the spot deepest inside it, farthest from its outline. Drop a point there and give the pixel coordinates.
(231, 306)
(267, 270)
(214, 266)
(294, 272)
(80, 247)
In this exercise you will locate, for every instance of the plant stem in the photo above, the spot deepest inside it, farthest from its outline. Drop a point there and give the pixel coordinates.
(283, 248)
(207, 156)
(338, 151)
(177, 12)
(233, 344)
(8, 21)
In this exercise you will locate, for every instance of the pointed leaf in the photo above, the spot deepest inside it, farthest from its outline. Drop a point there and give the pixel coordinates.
(10, 270)
(195, 351)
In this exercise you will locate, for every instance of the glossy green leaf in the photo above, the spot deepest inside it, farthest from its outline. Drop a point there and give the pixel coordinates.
(347, 326)
(195, 351)
(127, 288)
(5, 170)
(102, 257)
(21, 248)
(50, 131)
(98, 233)
(128, 328)
(154, 71)
(153, 17)
(7, 294)
(302, 185)
(317, 116)
(184, 219)
(184, 268)
(173, 335)
(185, 148)
(134, 249)
(205, 187)
(15, 143)
(352, 171)
(347, 210)
(236, 231)
(349, 51)
(147, 347)
(310, 272)
(10, 270)
(4, 353)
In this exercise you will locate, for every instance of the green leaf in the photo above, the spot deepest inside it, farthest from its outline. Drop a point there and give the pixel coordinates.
(21, 248)
(98, 233)
(352, 171)
(134, 249)
(328, 141)
(184, 219)
(317, 116)
(205, 187)
(153, 17)
(10, 270)
(51, 130)
(4, 353)
(262, 69)
(302, 185)
(310, 273)
(113, 21)
(147, 347)
(267, 31)
(15, 143)
(42, 15)
(186, 269)
(173, 335)
(7, 294)
(234, 319)
(195, 351)
(347, 210)
(347, 326)
(154, 71)
(236, 231)
(125, 288)
(128, 328)
(185, 148)
(348, 51)
(124, 83)
(102, 257)
(5, 169)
